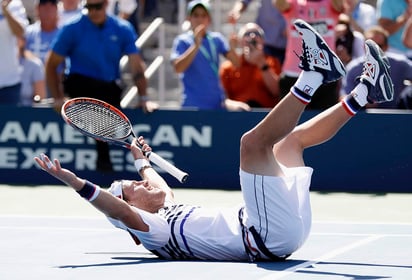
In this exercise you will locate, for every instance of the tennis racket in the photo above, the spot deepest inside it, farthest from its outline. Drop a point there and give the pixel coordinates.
(104, 122)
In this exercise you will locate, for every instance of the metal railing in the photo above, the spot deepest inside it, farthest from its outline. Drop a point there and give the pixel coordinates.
(157, 63)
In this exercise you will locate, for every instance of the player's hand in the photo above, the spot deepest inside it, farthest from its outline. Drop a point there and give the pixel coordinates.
(54, 168)
(139, 153)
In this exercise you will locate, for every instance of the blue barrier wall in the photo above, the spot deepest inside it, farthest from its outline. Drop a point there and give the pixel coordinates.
(373, 153)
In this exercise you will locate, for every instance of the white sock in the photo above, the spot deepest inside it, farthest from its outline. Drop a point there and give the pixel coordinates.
(309, 82)
(360, 94)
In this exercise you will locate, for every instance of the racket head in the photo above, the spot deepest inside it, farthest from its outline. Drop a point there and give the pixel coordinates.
(97, 119)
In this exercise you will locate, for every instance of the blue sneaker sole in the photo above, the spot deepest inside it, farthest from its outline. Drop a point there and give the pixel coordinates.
(385, 81)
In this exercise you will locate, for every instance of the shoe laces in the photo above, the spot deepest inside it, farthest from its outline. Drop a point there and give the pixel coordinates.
(305, 56)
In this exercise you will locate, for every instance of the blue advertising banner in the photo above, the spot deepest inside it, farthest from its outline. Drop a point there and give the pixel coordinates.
(372, 153)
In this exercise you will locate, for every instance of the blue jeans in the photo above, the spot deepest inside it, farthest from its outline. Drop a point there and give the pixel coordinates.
(10, 95)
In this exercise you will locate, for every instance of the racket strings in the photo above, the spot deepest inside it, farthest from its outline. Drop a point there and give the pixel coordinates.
(98, 120)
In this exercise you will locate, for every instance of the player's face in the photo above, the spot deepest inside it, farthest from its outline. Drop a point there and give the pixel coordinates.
(199, 16)
(143, 195)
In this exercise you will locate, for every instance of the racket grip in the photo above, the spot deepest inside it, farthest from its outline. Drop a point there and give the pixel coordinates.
(168, 167)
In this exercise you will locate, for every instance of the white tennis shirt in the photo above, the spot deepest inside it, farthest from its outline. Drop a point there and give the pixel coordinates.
(191, 232)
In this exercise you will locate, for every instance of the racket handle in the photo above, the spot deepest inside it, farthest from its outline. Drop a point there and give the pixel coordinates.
(168, 167)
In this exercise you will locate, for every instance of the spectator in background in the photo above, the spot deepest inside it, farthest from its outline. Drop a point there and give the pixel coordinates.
(68, 10)
(323, 15)
(39, 35)
(124, 9)
(30, 7)
(255, 81)
(33, 86)
(349, 43)
(405, 99)
(407, 34)
(13, 21)
(392, 16)
(270, 19)
(362, 15)
(95, 44)
(401, 68)
(195, 56)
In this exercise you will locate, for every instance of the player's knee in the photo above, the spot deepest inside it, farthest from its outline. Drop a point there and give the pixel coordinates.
(250, 142)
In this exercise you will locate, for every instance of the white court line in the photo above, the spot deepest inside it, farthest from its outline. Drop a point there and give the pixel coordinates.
(360, 223)
(361, 234)
(324, 257)
(48, 228)
(101, 217)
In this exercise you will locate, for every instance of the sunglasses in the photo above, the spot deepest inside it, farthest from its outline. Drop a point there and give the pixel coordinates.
(94, 6)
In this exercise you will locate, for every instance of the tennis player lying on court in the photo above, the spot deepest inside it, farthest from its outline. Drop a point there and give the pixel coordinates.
(275, 219)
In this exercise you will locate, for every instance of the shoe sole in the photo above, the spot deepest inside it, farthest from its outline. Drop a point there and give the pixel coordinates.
(378, 55)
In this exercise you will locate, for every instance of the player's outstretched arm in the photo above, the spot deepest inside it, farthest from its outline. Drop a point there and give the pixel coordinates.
(104, 201)
(146, 171)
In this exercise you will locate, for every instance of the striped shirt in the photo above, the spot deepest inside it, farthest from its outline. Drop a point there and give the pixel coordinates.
(191, 232)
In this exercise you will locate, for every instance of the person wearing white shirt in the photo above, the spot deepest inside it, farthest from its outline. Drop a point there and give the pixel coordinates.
(68, 10)
(13, 21)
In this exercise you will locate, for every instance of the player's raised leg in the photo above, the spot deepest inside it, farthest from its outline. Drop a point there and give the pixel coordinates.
(375, 87)
(320, 65)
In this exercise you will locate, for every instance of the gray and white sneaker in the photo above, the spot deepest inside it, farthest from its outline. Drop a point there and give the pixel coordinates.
(376, 74)
(316, 54)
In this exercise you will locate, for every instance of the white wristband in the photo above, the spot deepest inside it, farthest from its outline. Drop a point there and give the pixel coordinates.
(141, 164)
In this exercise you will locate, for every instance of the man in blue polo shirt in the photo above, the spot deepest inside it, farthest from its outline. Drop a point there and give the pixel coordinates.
(94, 43)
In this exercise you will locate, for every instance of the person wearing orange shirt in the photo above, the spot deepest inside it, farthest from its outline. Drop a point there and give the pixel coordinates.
(256, 80)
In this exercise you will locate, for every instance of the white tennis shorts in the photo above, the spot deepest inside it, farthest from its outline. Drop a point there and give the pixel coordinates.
(278, 208)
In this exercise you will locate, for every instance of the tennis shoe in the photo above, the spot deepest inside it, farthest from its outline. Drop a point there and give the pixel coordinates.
(376, 74)
(316, 54)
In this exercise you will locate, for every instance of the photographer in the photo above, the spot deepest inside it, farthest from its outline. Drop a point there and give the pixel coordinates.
(256, 80)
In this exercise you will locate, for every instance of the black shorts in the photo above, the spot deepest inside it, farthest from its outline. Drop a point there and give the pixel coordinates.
(76, 85)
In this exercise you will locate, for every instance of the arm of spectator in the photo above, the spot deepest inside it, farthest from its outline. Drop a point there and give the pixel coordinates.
(234, 105)
(281, 5)
(255, 55)
(53, 61)
(348, 8)
(16, 27)
(231, 54)
(271, 79)
(126, 8)
(39, 90)
(337, 5)
(137, 67)
(185, 60)
(237, 10)
(407, 34)
(392, 26)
